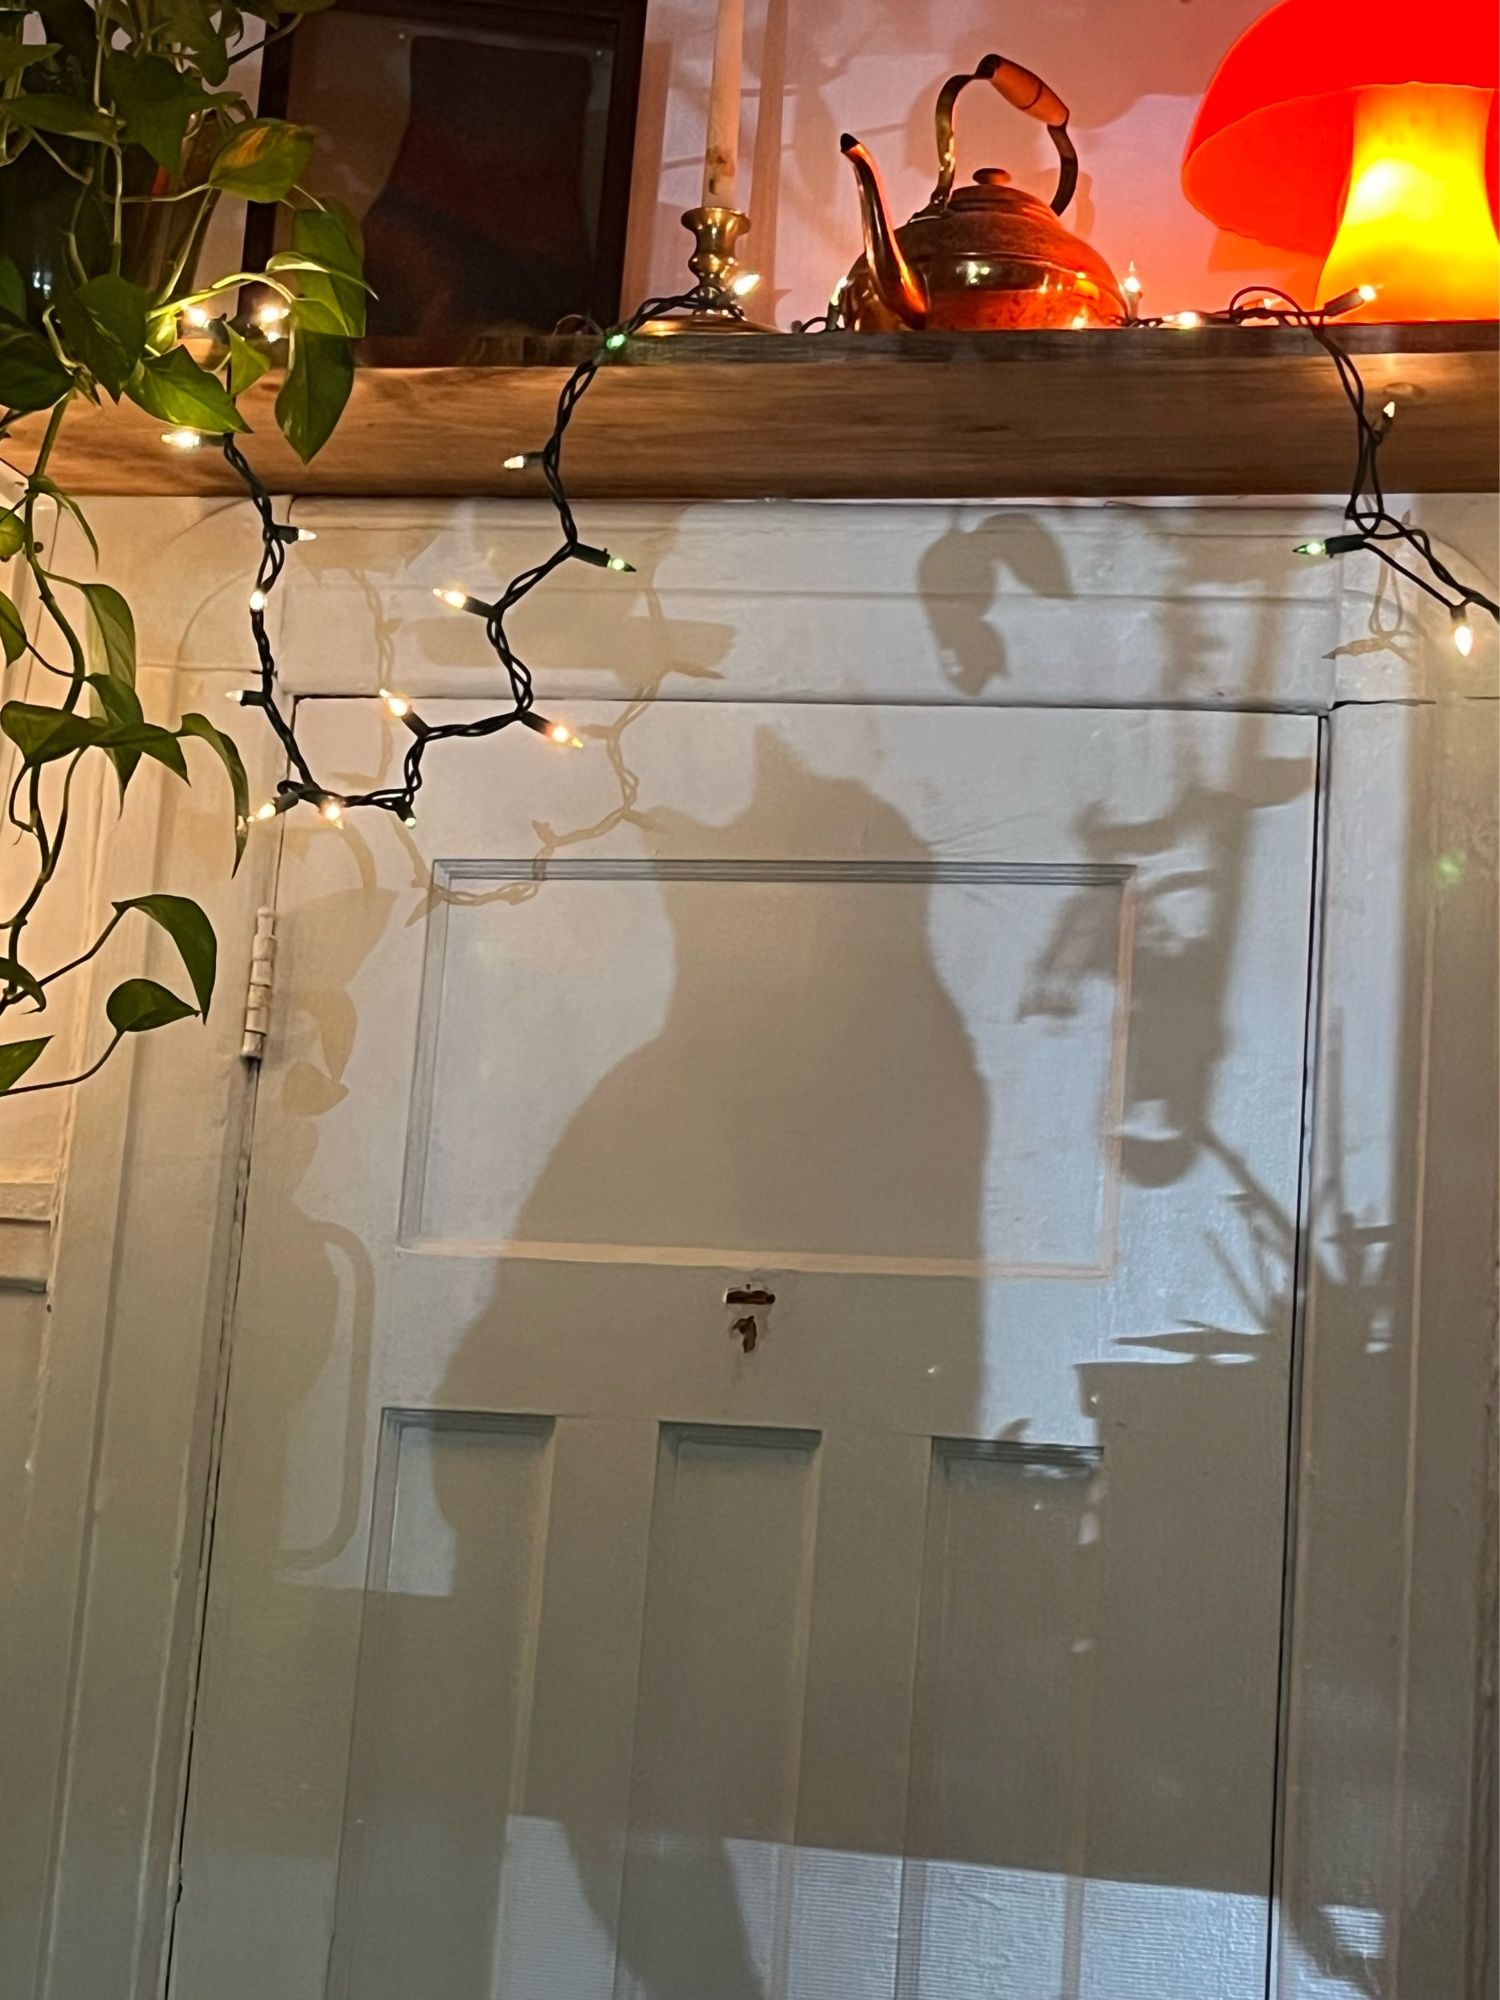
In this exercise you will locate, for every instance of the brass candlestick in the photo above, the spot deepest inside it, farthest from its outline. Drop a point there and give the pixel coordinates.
(714, 308)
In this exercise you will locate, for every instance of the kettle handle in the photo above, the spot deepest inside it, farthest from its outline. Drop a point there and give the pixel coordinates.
(1026, 91)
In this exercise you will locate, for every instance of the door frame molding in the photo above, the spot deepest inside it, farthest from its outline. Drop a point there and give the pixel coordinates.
(1389, 1663)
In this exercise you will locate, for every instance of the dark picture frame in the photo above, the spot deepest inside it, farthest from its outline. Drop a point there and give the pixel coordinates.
(486, 145)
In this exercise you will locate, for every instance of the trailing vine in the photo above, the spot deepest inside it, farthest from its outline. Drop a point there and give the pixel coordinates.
(120, 131)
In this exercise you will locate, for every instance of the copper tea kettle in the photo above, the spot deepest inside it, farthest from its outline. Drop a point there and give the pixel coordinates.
(980, 257)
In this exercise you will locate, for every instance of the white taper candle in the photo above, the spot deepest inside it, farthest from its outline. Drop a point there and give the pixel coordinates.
(721, 154)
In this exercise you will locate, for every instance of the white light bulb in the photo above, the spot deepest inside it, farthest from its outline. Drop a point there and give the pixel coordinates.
(304, 534)
(1185, 319)
(456, 598)
(396, 703)
(332, 811)
(1388, 411)
(1130, 284)
(516, 462)
(258, 600)
(743, 285)
(1079, 319)
(1463, 634)
(183, 439)
(1367, 293)
(197, 316)
(267, 811)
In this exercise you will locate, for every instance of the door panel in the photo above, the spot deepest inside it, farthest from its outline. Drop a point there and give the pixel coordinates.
(566, 1638)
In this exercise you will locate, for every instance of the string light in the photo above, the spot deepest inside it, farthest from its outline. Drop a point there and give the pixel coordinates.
(197, 317)
(182, 439)
(555, 732)
(285, 532)
(743, 285)
(271, 319)
(460, 600)
(258, 600)
(1371, 528)
(1131, 284)
(301, 785)
(600, 558)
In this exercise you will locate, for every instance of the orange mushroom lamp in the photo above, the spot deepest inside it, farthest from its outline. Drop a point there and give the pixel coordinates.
(1366, 135)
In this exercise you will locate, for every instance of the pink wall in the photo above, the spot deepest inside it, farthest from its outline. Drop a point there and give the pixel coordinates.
(1131, 70)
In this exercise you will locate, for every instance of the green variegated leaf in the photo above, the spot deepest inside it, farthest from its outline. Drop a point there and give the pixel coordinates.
(262, 160)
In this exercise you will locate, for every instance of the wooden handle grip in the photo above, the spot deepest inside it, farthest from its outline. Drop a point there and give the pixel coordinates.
(1025, 90)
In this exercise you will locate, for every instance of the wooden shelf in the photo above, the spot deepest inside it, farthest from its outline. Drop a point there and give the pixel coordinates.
(1218, 410)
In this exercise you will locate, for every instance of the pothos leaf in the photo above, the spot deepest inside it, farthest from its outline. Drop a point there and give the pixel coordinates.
(328, 253)
(42, 734)
(312, 398)
(12, 288)
(16, 56)
(104, 324)
(246, 363)
(191, 932)
(117, 702)
(12, 536)
(224, 748)
(12, 631)
(16, 1058)
(262, 160)
(68, 117)
(138, 1005)
(156, 100)
(31, 376)
(173, 387)
(113, 622)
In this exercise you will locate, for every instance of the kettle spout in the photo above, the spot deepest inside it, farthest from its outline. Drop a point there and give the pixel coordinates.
(900, 289)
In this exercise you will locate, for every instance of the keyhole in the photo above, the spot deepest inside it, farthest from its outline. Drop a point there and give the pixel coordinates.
(747, 1330)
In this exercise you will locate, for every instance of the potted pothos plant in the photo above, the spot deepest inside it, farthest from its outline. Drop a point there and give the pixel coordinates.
(120, 130)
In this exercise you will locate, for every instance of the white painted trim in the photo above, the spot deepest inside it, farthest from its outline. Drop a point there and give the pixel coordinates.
(1394, 1445)
(26, 1233)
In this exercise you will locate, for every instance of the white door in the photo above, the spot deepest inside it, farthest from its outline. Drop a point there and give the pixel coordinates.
(568, 1640)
